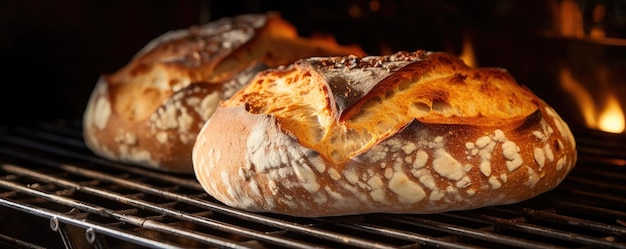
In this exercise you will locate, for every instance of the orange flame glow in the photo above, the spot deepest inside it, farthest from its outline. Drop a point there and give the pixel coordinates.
(467, 51)
(596, 101)
(612, 117)
(609, 118)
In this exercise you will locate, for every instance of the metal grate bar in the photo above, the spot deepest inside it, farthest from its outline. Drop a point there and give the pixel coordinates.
(68, 219)
(6, 241)
(590, 210)
(604, 174)
(157, 208)
(52, 137)
(591, 194)
(96, 161)
(265, 220)
(481, 234)
(124, 202)
(520, 225)
(421, 239)
(580, 223)
(602, 144)
(129, 219)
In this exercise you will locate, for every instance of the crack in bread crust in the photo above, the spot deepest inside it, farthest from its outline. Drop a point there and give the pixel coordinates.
(149, 112)
(386, 103)
(427, 162)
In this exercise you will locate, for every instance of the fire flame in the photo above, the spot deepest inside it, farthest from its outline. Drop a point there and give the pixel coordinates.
(467, 51)
(599, 107)
(610, 118)
(605, 116)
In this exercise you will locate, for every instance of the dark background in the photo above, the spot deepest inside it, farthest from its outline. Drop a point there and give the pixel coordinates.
(52, 52)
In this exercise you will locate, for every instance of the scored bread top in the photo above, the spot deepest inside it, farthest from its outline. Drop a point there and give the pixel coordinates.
(369, 99)
(149, 112)
(212, 53)
(177, 59)
(415, 132)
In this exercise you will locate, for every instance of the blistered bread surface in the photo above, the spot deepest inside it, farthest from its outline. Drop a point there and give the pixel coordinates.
(416, 132)
(150, 111)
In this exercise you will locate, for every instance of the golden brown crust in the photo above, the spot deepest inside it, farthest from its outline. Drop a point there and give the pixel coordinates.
(150, 111)
(371, 154)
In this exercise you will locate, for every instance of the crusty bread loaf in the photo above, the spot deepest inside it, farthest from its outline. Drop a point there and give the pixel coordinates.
(150, 111)
(416, 132)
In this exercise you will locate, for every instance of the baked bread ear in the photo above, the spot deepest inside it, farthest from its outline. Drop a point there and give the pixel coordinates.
(149, 112)
(416, 132)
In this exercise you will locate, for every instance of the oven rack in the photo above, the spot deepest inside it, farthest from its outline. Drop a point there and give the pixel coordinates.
(55, 193)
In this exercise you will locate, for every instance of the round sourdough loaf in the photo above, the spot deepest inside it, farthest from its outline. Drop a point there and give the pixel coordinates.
(149, 112)
(416, 132)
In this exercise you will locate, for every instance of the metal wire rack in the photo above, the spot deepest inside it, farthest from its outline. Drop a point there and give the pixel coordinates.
(54, 193)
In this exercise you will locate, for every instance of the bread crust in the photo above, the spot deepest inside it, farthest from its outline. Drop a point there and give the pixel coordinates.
(149, 112)
(434, 162)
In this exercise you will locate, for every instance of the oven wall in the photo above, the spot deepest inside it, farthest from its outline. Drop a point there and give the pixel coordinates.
(53, 52)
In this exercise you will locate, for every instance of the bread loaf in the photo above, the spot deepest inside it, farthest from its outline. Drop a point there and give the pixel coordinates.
(417, 132)
(149, 112)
